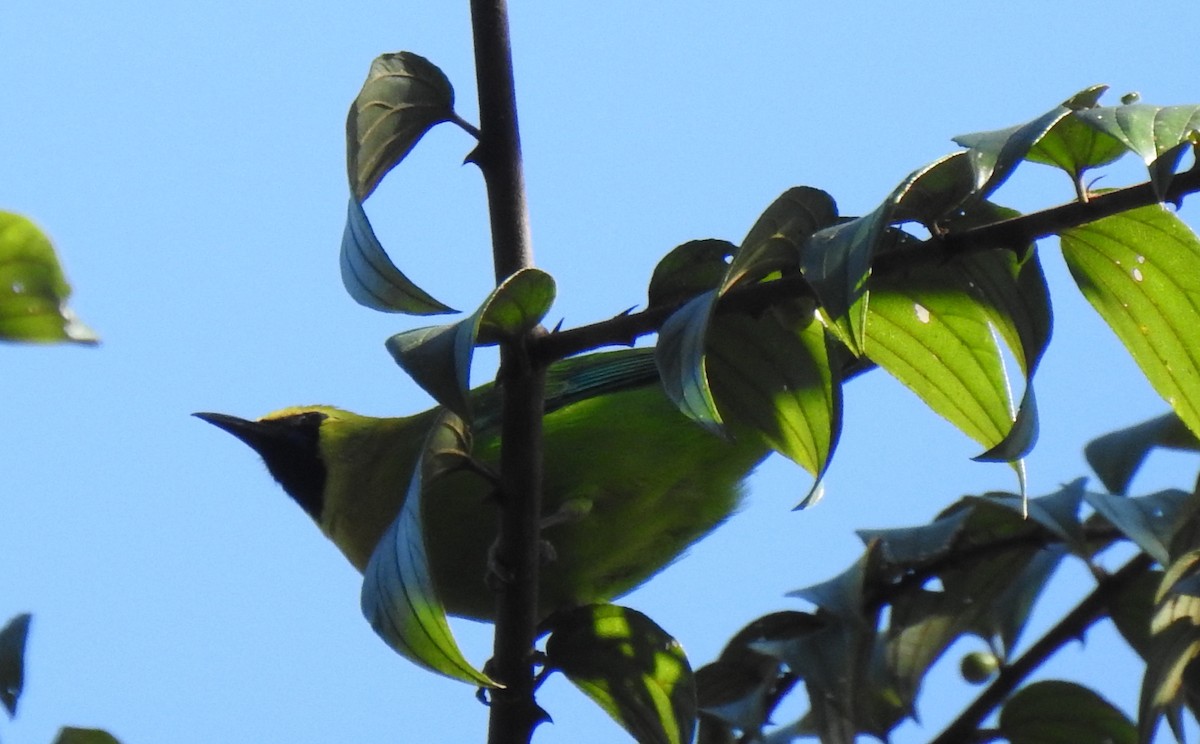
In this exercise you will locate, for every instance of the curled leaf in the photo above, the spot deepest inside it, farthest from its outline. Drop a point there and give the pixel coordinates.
(399, 598)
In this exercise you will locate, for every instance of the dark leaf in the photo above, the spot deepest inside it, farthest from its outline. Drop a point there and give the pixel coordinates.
(438, 358)
(12, 661)
(1056, 712)
(905, 547)
(404, 96)
(680, 354)
(1132, 610)
(1157, 134)
(1058, 513)
(1149, 521)
(741, 687)
(69, 735)
(688, 270)
(630, 667)
(1116, 456)
(774, 243)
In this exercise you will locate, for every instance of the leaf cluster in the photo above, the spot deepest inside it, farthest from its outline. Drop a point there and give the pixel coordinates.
(936, 286)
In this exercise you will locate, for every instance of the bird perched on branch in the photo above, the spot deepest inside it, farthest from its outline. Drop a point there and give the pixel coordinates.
(629, 481)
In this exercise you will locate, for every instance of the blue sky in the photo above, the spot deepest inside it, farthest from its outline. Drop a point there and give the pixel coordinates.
(188, 160)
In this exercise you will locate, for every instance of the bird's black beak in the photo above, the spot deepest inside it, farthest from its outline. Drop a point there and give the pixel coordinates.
(289, 447)
(239, 427)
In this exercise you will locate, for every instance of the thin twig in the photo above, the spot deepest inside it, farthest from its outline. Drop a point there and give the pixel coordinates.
(1073, 625)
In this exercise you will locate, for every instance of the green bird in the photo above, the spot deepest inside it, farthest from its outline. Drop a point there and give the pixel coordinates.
(629, 481)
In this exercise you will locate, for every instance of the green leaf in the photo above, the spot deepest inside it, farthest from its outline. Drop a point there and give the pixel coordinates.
(33, 290)
(70, 735)
(1057, 712)
(928, 329)
(516, 306)
(630, 667)
(12, 661)
(1118, 455)
(439, 358)
(371, 278)
(1152, 132)
(996, 154)
(1076, 147)
(772, 375)
(398, 595)
(1141, 271)
(837, 263)
(688, 270)
(1171, 659)
(771, 247)
(404, 96)
(774, 242)
(838, 260)
(1149, 521)
(1149, 131)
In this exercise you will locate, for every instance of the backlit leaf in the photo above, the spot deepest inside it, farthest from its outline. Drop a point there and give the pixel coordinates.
(1141, 271)
(772, 374)
(439, 358)
(630, 667)
(1076, 147)
(928, 330)
(33, 290)
(996, 153)
(398, 595)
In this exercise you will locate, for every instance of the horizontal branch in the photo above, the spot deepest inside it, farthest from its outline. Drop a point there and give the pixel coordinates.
(627, 327)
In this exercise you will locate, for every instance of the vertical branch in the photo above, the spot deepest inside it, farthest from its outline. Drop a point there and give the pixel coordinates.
(499, 152)
(514, 714)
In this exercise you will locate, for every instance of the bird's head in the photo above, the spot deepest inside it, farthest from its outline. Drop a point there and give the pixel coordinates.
(289, 442)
